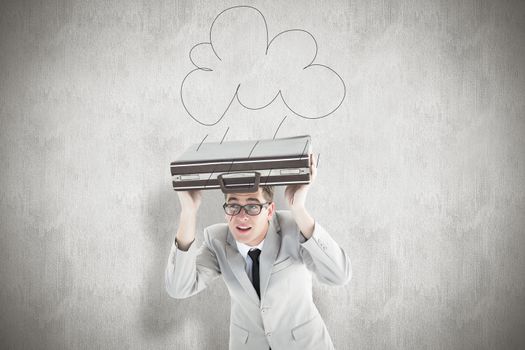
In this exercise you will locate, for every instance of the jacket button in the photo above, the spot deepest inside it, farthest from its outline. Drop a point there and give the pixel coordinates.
(269, 334)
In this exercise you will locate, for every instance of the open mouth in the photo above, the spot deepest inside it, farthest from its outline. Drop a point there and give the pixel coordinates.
(243, 229)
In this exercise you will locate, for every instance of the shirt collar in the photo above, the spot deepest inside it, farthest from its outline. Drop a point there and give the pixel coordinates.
(244, 248)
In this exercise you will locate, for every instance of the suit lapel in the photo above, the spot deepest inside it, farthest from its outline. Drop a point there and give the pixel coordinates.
(269, 252)
(237, 265)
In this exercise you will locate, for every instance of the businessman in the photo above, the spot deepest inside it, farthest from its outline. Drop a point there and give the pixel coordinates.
(266, 258)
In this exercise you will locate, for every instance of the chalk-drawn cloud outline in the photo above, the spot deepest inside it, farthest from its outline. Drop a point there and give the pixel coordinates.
(211, 61)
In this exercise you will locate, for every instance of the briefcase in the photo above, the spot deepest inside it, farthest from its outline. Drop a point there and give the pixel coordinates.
(243, 166)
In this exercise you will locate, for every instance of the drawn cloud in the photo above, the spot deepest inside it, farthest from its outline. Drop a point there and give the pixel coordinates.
(240, 63)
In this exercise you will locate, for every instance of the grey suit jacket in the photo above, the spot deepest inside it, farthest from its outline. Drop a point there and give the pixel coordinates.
(285, 317)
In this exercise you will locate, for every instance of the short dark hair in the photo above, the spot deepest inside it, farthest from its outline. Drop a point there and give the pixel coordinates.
(267, 192)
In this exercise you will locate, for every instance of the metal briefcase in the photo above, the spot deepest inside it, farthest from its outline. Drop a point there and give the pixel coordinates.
(243, 166)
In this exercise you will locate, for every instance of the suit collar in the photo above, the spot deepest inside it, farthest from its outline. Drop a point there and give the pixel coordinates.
(237, 264)
(244, 248)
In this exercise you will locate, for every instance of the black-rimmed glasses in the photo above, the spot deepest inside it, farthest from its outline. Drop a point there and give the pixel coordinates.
(250, 209)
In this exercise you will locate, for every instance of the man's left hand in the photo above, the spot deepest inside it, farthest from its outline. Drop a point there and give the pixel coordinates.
(295, 195)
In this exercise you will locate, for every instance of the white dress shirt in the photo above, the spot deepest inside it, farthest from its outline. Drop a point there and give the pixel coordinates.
(244, 249)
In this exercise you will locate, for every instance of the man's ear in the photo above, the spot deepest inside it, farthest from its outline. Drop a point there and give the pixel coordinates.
(271, 210)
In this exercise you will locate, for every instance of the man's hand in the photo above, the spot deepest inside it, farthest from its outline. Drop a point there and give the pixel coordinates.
(296, 194)
(190, 202)
(296, 197)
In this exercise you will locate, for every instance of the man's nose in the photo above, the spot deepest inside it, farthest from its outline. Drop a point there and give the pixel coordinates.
(243, 214)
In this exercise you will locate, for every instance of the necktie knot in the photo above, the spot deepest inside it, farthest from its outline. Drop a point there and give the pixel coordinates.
(254, 254)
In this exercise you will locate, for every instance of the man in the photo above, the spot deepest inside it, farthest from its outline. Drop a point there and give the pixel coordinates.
(266, 258)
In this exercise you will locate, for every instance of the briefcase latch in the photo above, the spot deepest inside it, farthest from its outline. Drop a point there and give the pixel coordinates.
(241, 182)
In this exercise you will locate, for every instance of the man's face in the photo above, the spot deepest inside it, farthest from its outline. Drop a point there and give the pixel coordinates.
(245, 228)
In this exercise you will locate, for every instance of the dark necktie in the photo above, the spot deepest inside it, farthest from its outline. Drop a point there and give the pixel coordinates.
(254, 254)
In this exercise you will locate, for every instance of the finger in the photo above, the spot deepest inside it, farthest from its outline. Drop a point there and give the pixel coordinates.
(196, 194)
(182, 194)
(313, 168)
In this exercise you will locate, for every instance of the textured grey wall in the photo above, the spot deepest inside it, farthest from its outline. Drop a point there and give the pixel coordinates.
(421, 175)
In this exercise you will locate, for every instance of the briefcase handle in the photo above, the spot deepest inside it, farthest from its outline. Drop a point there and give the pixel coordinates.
(239, 189)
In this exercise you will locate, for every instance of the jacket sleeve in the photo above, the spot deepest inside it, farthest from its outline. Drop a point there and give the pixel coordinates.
(325, 258)
(189, 272)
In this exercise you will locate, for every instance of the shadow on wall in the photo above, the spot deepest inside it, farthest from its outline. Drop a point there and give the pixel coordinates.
(200, 320)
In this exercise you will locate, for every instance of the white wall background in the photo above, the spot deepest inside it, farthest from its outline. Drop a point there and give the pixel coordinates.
(421, 174)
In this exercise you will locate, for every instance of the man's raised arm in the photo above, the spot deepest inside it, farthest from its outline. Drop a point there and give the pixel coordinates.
(320, 252)
(187, 272)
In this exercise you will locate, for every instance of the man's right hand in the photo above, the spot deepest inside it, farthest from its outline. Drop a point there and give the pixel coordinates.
(190, 201)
